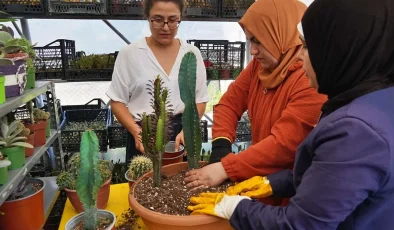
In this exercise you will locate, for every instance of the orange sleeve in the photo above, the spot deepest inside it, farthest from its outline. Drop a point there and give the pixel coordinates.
(232, 105)
(277, 151)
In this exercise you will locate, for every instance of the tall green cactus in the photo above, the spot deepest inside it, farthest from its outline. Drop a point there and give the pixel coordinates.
(190, 117)
(89, 180)
(156, 128)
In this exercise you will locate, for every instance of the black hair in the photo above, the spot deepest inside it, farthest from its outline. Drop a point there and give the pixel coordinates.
(148, 4)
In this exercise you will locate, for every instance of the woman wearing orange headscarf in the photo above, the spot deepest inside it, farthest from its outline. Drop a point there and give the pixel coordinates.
(282, 106)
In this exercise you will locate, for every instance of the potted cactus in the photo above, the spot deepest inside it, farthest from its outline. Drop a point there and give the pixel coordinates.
(25, 132)
(193, 140)
(4, 163)
(139, 165)
(67, 180)
(13, 145)
(38, 123)
(88, 185)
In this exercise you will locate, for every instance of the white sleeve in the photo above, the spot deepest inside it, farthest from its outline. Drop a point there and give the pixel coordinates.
(119, 89)
(201, 81)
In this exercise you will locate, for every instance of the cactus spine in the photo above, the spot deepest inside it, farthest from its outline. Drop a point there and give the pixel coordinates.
(89, 180)
(139, 166)
(156, 129)
(190, 117)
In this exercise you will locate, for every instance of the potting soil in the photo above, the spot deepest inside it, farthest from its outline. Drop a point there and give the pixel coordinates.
(104, 223)
(127, 221)
(172, 197)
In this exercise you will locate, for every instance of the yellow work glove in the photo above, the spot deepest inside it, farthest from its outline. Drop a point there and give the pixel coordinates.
(256, 187)
(215, 204)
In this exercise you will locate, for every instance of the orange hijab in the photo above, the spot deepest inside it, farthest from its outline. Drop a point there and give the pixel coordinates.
(274, 24)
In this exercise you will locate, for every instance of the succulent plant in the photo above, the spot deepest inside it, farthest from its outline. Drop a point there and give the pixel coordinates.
(65, 180)
(70, 176)
(89, 180)
(190, 116)
(24, 132)
(41, 114)
(139, 166)
(156, 128)
(9, 135)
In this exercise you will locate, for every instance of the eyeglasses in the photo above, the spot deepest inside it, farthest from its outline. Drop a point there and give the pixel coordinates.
(159, 24)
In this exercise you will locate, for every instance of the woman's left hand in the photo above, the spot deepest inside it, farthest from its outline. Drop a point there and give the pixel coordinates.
(208, 176)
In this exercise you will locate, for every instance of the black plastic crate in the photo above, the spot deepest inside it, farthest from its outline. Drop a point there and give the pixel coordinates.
(50, 75)
(71, 139)
(243, 132)
(201, 8)
(69, 7)
(89, 75)
(96, 103)
(116, 134)
(22, 6)
(53, 59)
(234, 8)
(127, 7)
(223, 59)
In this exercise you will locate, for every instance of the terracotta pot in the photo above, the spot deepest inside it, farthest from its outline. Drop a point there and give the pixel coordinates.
(30, 140)
(29, 209)
(157, 221)
(170, 156)
(102, 197)
(39, 129)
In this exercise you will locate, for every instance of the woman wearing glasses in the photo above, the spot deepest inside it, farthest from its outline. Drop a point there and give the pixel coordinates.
(161, 53)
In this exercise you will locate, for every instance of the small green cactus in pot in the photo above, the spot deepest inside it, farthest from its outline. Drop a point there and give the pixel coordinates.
(139, 166)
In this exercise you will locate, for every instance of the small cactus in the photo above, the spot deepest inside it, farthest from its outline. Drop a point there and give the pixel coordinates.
(40, 114)
(65, 180)
(139, 166)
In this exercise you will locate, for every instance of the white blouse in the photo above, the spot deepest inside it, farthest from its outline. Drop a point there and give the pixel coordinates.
(136, 65)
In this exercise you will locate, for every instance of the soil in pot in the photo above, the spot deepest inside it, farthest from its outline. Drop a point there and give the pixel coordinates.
(172, 197)
(104, 224)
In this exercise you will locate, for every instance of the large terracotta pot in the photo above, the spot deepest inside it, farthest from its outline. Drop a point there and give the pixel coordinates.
(157, 221)
(26, 213)
(102, 197)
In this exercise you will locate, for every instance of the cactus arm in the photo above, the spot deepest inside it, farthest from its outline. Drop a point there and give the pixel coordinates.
(190, 117)
(89, 180)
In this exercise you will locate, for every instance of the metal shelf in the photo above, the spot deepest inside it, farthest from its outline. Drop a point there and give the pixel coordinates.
(114, 17)
(51, 192)
(15, 176)
(28, 95)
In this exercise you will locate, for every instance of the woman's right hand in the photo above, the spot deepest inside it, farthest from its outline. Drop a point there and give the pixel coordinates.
(138, 140)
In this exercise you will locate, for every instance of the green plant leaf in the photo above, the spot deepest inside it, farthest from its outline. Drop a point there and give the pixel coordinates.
(5, 37)
(11, 49)
(22, 144)
(4, 128)
(12, 127)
